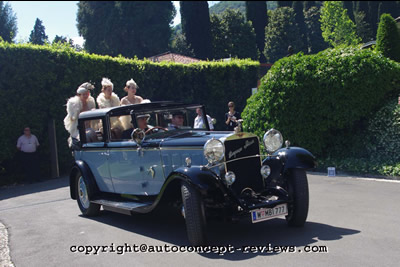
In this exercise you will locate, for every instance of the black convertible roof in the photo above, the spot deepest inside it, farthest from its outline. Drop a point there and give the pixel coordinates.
(127, 109)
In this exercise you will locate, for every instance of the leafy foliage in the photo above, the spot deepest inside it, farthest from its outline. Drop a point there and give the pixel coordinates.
(314, 34)
(196, 27)
(384, 133)
(56, 71)
(337, 28)
(321, 101)
(281, 31)
(38, 34)
(8, 22)
(388, 38)
(127, 28)
(233, 36)
(179, 45)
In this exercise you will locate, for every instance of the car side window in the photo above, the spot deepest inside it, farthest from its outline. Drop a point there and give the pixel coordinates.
(121, 128)
(94, 131)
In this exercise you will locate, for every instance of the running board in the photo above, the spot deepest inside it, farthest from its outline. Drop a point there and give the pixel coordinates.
(126, 207)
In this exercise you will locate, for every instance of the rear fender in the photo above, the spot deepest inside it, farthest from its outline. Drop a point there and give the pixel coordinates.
(83, 168)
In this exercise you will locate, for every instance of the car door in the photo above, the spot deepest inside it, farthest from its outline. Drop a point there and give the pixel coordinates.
(150, 161)
(95, 153)
(125, 168)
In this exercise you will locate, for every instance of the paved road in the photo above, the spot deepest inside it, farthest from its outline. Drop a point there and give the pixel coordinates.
(357, 220)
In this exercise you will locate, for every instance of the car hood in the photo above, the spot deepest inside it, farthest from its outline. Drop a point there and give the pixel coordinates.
(191, 138)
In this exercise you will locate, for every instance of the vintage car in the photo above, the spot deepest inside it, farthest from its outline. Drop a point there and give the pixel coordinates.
(131, 159)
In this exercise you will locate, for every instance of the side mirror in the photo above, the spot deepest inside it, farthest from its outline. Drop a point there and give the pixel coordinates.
(138, 135)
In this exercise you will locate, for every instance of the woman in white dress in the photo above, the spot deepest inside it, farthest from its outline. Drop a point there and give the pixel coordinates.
(75, 105)
(131, 88)
(107, 98)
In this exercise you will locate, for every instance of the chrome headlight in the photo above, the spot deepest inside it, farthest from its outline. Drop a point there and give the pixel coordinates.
(214, 151)
(273, 140)
(230, 178)
(265, 171)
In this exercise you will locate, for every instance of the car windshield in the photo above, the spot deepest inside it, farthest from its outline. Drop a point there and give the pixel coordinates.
(154, 122)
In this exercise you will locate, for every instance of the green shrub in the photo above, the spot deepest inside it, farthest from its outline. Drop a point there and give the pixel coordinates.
(320, 101)
(384, 133)
(36, 81)
(388, 38)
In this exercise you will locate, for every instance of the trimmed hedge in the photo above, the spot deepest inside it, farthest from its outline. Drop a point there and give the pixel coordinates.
(321, 102)
(388, 38)
(36, 81)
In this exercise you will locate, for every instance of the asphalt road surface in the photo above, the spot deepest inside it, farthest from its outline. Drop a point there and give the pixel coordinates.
(351, 222)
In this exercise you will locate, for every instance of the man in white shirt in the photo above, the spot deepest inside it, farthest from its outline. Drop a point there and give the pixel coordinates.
(199, 122)
(27, 145)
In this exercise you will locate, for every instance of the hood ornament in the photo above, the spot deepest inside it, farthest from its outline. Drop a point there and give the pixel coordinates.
(238, 128)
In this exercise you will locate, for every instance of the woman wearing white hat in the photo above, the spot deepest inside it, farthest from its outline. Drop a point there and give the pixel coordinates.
(131, 88)
(75, 105)
(107, 98)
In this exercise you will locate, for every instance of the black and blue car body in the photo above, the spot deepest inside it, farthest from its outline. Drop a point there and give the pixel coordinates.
(205, 174)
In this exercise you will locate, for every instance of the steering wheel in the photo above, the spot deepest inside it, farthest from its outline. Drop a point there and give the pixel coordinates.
(156, 129)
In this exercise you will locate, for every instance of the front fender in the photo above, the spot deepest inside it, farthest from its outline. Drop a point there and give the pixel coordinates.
(200, 177)
(83, 168)
(296, 158)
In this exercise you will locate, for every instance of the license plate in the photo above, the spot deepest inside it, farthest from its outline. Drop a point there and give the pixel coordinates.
(264, 214)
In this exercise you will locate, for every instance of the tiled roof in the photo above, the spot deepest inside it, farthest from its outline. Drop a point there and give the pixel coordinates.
(168, 56)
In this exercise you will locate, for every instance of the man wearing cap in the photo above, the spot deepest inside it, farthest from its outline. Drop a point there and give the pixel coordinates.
(177, 120)
(75, 105)
(142, 121)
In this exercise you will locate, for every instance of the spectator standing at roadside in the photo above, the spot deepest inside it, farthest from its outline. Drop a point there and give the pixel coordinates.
(27, 145)
(231, 117)
(199, 122)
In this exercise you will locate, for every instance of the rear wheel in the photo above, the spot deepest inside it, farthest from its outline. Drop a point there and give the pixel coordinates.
(82, 193)
(298, 190)
(194, 214)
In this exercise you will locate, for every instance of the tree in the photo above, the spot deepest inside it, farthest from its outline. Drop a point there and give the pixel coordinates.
(180, 46)
(38, 34)
(390, 7)
(388, 38)
(314, 34)
(363, 28)
(362, 20)
(337, 28)
(373, 16)
(196, 27)
(127, 28)
(285, 3)
(61, 39)
(281, 31)
(233, 35)
(256, 12)
(298, 7)
(349, 6)
(308, 4)
(8, 22)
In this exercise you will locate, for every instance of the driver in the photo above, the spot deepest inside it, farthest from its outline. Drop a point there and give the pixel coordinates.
(177, 120)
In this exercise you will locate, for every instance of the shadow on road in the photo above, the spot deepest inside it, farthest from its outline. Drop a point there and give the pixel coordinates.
(25, 189)
(172, 229)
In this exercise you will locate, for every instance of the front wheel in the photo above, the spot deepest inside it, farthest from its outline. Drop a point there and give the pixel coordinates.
(194, 214)
(298, 191)
(87, 208)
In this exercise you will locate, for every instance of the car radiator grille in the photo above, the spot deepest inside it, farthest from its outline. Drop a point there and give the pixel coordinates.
(247, 170)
